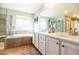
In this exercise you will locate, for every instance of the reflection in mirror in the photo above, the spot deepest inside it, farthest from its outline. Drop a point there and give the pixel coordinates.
(56, 24)
(76, 27)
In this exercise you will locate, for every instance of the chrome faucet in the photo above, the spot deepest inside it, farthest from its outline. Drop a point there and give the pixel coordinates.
(75, 33)
(71, 31)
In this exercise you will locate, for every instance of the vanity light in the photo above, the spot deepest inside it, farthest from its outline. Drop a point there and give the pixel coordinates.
(78, 17)
(74, 15)
(66, 12)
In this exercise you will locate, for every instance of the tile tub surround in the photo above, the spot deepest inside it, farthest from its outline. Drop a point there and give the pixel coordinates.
(1, 45)
(2, 38)
(13, 41)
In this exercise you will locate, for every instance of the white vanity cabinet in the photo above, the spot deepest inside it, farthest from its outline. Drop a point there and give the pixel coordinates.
(33, 36)
(49, 45)
(52, 46)
(42, 43)
(69, 49)
(35, 39)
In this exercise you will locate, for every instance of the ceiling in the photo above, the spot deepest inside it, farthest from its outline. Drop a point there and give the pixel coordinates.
(55, 10)
(29, 7)
(60, 8)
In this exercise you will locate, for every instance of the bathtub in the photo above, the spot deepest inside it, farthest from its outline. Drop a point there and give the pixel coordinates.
(18, 40)
(2, 38)
(6, 43)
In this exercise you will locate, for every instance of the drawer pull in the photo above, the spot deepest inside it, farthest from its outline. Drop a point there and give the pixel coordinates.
(57, 43)
(62, 45)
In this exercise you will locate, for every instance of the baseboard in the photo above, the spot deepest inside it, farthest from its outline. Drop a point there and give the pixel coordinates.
(37, 49)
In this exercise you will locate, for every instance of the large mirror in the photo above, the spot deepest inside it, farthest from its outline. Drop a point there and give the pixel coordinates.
(56, 24)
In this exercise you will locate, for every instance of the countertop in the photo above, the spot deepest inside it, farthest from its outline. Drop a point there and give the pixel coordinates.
(2, 36)
(18, 35)
(63, 37)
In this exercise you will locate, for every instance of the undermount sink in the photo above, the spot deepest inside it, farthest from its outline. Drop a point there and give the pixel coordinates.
(65, 35)
(69, 36)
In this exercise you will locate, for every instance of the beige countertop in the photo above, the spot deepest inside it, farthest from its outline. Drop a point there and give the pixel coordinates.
(19, 35)
(63, 37)
(2, 36)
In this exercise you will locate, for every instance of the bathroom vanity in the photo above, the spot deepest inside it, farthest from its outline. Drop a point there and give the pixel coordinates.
(56, 43)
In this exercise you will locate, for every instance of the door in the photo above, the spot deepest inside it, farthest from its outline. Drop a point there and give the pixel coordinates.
(52, 46)
(2, 29)
(69, 49)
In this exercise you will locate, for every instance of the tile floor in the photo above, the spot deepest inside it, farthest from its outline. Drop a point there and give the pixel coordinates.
(23, 50)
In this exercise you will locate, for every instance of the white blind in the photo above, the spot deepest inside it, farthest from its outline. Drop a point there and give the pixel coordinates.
(23, 24)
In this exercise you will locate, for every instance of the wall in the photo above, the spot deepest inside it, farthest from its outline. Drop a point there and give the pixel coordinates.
(59, 26)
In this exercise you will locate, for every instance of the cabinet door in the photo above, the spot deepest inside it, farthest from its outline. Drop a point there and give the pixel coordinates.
(69, 49)
(52, 46)
(35, 39)
(42, 44)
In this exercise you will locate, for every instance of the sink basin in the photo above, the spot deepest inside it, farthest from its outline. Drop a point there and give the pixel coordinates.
(65, 35)
(70, 36)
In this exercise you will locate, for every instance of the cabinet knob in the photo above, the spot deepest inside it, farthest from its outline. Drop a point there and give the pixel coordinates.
(62, 45)
(57, 43)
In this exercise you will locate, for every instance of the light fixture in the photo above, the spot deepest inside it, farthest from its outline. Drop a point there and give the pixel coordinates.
(74, 15)
(50, 5)
(66, 12)
(77, 16)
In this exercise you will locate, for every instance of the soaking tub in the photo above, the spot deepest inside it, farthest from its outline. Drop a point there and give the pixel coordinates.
(12, 41)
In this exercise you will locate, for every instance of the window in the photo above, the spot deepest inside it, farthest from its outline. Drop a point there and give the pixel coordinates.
(23, 25)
